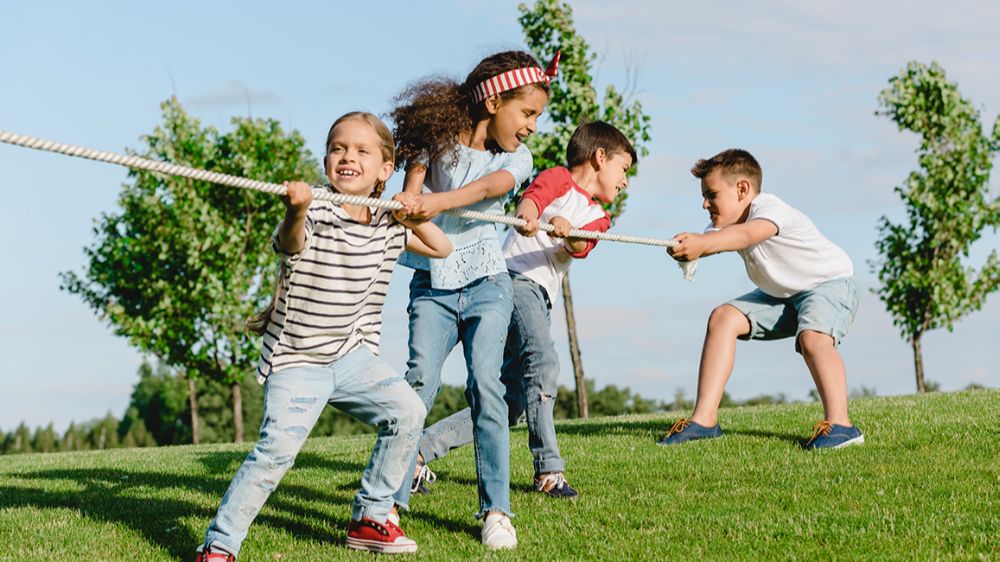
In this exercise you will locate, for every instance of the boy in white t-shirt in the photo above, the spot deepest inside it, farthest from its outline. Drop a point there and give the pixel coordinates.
(598, 157)
(806, 289)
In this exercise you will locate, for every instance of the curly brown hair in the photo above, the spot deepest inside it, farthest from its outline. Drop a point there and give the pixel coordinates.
(431, 114)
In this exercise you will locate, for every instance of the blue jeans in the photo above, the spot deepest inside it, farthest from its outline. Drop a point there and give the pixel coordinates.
(477, 315)
(530, 375)
(360, 384)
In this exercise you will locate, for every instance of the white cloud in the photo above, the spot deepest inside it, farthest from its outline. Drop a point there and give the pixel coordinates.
(233, 94)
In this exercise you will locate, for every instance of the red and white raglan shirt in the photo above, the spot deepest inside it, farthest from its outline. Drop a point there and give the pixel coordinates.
(545, 259)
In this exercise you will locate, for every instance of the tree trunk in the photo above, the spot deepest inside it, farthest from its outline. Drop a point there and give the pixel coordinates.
(193, 405)
(918, 362)
(574, 350)
(237, 411)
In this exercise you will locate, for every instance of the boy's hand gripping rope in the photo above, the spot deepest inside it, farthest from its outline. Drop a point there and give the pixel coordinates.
(140, 163)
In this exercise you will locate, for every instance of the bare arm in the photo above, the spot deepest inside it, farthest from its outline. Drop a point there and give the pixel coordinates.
(292, 230)
(427, 239)
(413, 182)
(527, 210)
(691, 246)
(489, 186)
(561, 230)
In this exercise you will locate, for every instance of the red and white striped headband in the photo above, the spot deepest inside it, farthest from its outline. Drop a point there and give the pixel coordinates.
(516, 78)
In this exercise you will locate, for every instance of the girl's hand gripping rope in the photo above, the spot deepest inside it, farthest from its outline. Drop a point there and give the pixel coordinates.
(409, 203)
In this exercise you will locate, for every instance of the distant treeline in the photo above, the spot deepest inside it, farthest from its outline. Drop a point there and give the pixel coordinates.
(159, 414)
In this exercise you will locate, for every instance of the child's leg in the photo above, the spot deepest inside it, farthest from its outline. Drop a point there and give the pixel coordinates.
(455, 430)
(368, 389)
(485, 318)
(530, 338)
(725, 325)
(825, 314)
(293, 401)
(433, 334)
(829, 374)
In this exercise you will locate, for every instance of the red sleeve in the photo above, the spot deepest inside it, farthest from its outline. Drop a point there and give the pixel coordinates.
(548, 186)
(600, 225)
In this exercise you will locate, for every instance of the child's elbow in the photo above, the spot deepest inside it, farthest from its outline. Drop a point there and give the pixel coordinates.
(443, 250)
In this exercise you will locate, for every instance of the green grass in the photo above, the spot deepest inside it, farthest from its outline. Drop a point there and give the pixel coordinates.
(925, 486)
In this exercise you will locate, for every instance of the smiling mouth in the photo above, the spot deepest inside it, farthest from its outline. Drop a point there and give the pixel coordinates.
(348, 173)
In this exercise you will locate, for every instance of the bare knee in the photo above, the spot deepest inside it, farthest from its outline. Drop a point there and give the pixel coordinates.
(812, 342)
(727, 319)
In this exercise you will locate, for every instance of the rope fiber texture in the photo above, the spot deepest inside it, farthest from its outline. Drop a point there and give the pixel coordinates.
(140, 163)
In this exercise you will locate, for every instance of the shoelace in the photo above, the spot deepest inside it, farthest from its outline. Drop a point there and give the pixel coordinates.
(427, 475)
(503, 522)
(555, 480)
(821, 428)
(679, 426)
(424, 474)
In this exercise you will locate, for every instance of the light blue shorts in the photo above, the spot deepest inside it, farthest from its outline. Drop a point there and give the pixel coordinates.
(828, 308)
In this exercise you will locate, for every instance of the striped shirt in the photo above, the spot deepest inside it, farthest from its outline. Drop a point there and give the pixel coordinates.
(330, 299)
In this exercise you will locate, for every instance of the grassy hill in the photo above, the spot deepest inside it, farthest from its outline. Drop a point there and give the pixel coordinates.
(926, 485)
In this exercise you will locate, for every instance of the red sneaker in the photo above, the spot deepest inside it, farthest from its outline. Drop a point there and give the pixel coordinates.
(216, 556)
(378, 537)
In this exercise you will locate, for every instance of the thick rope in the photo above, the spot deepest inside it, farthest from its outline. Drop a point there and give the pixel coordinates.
(140, 163)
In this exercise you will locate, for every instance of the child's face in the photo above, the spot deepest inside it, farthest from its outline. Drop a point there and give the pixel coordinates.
(724, 198)
(515, 119)
(612, 174)
(355, 161)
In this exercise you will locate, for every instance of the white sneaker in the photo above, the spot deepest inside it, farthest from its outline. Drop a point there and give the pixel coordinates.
(498, 533)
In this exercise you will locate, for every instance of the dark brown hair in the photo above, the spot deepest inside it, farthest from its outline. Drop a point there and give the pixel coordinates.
(432, 113)
(587, 138)
(385, 145)
(732, 162)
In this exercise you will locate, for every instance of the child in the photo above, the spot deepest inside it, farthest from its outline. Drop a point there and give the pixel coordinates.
(598, 158)
(320, 341)
(806, 289)
(463, 143)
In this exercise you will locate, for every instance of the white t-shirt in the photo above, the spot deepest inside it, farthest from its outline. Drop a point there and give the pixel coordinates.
(795, 259)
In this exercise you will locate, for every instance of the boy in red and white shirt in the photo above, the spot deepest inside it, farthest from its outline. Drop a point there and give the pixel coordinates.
(598, 159)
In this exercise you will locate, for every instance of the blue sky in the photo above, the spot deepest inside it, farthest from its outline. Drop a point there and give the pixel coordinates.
(793, 82)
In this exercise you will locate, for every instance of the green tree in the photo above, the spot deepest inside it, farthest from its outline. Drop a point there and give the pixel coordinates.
(132, 430)
(45, 440)
(103, 433)
(548, 27)
(181, 265)
(160, 402)
(74, 439)
(924, 283)
(18, 441)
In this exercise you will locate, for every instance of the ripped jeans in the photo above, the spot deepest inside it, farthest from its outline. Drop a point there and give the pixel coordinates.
(530, 374)
(360, 384)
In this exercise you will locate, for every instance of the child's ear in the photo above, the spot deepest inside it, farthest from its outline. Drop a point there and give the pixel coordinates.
(386, 172)
(743, 188)
(599, 158)
(327, 166)
(493, 104)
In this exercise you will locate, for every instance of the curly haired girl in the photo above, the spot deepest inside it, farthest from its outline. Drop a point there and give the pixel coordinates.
(462, 147)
